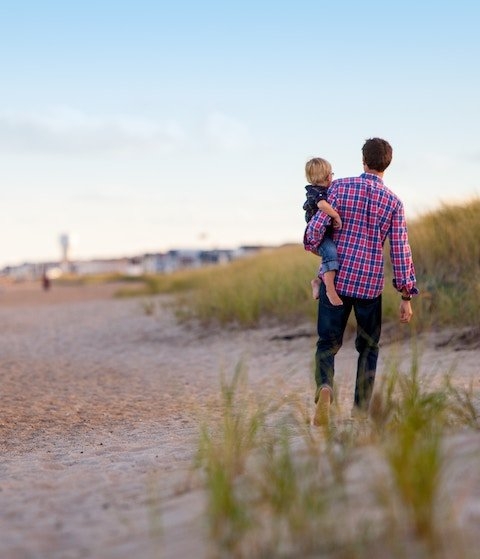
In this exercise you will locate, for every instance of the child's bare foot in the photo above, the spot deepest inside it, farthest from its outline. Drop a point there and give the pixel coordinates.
(334, 298)
(315, 283)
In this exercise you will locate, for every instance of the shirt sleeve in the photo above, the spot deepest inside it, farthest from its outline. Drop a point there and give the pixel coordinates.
(315, 231)
(401, 254)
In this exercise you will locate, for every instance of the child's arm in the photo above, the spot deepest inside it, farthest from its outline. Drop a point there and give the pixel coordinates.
(325, 207)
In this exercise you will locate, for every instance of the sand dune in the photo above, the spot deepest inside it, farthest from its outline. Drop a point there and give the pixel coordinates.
(99, 415)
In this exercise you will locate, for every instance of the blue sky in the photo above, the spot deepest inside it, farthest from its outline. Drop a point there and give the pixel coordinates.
(144, 126)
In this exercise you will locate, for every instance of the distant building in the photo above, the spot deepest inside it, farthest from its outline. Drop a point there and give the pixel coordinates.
(152, 263)
(28, 271)
(123, 266)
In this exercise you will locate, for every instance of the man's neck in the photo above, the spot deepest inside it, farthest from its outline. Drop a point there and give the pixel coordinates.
(367, 169)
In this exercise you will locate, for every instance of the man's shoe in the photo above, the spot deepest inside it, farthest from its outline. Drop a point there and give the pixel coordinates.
(322, 409)
(359, 413)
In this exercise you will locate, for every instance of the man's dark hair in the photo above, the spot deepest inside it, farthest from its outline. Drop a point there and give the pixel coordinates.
(377, 154)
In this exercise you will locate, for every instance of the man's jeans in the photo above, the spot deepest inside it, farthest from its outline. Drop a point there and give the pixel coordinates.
(332, 321)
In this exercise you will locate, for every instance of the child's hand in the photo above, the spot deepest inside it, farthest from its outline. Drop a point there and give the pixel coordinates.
(337, 222)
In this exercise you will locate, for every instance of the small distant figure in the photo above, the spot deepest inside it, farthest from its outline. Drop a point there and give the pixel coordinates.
(45, 281)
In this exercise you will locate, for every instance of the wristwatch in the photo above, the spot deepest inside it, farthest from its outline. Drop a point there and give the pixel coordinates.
(406, 297)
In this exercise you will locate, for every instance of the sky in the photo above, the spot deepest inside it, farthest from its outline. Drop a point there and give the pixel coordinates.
(144, 126)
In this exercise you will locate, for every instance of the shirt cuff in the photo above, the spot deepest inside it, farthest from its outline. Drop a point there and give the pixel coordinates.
(408, 286)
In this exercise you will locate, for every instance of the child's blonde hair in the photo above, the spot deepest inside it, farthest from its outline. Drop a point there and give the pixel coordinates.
(317, 171)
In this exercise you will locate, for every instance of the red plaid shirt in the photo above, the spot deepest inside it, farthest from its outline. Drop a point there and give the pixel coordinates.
(370, 213)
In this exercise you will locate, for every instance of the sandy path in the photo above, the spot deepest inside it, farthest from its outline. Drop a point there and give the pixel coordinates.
(99, 417)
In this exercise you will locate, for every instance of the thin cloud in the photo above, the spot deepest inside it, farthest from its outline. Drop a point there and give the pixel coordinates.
(474, 157)
(64, 131)
(439, 162)
(227, 133)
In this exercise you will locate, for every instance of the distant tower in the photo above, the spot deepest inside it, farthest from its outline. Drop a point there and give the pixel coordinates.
(65, 248)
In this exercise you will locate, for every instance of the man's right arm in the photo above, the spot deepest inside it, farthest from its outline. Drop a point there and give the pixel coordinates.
(325, 207)
(315, 231)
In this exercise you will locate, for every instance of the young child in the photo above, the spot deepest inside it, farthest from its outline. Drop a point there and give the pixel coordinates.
(319, 174)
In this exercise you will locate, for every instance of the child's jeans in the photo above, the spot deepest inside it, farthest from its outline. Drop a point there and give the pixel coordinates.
(328, 251)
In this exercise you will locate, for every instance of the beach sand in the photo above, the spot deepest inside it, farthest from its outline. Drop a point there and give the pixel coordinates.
(100, 411)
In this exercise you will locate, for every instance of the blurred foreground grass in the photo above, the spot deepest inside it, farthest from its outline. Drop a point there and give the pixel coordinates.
(366, 489)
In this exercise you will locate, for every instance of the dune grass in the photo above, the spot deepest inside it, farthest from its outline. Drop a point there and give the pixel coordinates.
(274, 284)
(278, 488)
(446, 248)
(223, 451)
(263, 286)
(446, 244)
(70, 279)
(412, 424)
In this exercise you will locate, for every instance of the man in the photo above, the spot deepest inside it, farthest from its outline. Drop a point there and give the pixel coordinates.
(370, 213)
